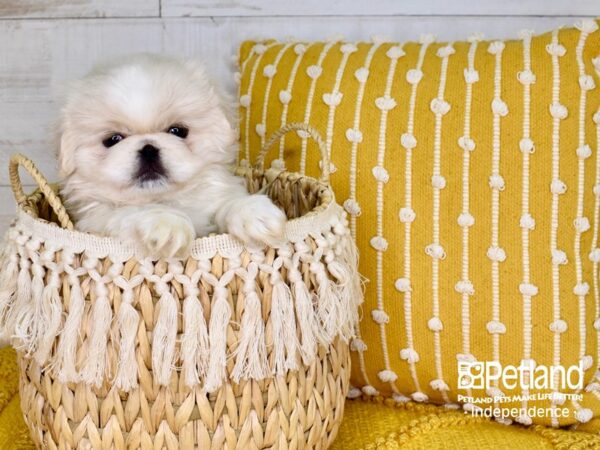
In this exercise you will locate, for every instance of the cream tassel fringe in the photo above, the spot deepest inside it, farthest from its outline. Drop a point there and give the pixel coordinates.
(8, 286)
(52, 318)
(128, 320)
(283, 322)
(348, 256)
(66, 353)
(354, 295)
(300, 318)
(24, 284)
(194, 342)
(28, 319)
(328, 305)
(93, 372)
(164, 335)
(219, 320)
(251, 354)
(305, 314)
(347, 311)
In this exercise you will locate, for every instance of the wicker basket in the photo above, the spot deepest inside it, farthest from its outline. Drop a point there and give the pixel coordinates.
(231, 348)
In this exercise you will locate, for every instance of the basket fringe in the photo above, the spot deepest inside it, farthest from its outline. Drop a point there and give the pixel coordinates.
(305, 310)
(128, 320)
(328, 309)
(347, 315)
(24, 284)
(305, 314)
(283, 322)
(349, 257)
(164, 335)
(194, 342)
(52, 318)
(95, 364)
(66, 355)
(251, 353)
(8, 286)
(219, 320)
(28, 325)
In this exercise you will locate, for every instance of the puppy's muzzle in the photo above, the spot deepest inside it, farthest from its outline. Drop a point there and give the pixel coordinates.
(150, 166)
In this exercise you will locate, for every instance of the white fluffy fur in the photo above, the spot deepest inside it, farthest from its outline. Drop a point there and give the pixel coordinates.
(140, 97)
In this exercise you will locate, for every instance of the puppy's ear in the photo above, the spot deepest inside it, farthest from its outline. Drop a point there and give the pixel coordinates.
(221, 134)
(226, 101)
(67, 145)
(219, 126)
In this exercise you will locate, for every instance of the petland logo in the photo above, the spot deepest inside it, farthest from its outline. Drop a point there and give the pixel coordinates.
(528, 375)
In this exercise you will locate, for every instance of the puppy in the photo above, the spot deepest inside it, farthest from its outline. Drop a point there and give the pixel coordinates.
(145, 154)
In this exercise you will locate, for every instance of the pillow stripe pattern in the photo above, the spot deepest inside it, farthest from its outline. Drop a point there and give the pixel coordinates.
(471, 177)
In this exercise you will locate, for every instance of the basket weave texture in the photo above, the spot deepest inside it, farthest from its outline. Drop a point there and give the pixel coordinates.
(233, 347)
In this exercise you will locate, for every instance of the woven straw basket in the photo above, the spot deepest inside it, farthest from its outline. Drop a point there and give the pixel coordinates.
(233, 348)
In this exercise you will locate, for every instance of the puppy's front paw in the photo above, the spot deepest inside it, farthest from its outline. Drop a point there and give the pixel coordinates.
(257, 221)
(166, 234)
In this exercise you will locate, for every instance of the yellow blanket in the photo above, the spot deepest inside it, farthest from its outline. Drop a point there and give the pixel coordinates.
(367, 425)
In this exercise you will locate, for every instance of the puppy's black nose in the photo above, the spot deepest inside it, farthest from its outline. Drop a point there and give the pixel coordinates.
(150, 166)
(149, 153)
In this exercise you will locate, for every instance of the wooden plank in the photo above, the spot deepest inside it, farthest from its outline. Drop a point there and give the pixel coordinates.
(38, 56)
(214, 8)
(30, 9)
(8, 207)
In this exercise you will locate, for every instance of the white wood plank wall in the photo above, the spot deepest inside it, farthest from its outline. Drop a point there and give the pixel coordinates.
(44, 43)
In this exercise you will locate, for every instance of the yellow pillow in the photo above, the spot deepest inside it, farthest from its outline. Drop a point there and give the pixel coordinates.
(471, 177)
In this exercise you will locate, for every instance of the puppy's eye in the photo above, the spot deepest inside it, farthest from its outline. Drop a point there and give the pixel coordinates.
(178, 131)
(112, 140)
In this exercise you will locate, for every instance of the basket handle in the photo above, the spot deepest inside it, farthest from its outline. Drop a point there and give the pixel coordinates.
(54, 201)
(260, 158)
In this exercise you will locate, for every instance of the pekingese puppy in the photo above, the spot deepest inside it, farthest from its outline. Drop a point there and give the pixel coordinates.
(145, 154)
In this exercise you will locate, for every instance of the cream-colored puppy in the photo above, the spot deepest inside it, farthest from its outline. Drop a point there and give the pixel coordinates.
(145, 154)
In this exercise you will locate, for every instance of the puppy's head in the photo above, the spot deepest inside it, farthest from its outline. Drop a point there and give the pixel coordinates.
(141, 127)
